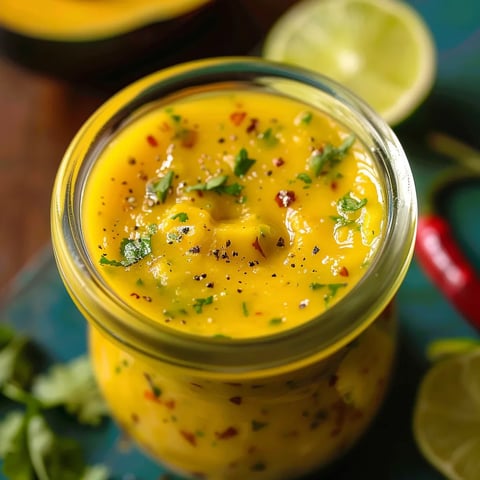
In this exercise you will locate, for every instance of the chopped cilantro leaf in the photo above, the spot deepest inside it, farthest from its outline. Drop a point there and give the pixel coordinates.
(329, 156)
(161, 187)
(182, 217)
(218, 184)
(201, 302)
(131, 250)
(275, 321)
(306, 118)
(268, 137)
(305, 178)
(349, 204)
(242, 163)
(332, 289)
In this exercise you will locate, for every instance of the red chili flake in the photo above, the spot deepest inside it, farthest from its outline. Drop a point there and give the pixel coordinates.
(189, 138)
(226, 434)
(278, 162)
(256, 245)
(237, 117)
(152, 141)
(189, 437)
(236, 400)
(170, 404)
(253, 125)
(334, 185)
(135, 295)
(343, 272)
(285, 198)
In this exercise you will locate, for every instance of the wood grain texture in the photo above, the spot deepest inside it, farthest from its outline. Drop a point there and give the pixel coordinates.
(38, 118)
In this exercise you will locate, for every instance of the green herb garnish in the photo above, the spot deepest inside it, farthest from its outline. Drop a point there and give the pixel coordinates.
(306, 118)
(332, 289)
(201, 302)
(305, 178)
(268, 137)
(242, 163)
(275, 321)
(132, 251)
(219, 185)
(162, 186)
(349, 204)
(29, 448)
(182, 217)
(330, 156)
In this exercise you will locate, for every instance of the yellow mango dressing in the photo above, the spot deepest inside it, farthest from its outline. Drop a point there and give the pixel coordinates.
(236, 249)
(238, 214)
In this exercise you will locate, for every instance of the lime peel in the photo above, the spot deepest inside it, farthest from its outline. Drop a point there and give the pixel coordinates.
(443, 348)
(381, 49)
(446, 422)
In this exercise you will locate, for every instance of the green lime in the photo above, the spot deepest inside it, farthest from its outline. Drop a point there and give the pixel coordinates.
(381, 49)
(447, 416)
(447, 347)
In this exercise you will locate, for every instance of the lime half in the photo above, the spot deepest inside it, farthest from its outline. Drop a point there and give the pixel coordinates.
(381, 49)
(447, 416)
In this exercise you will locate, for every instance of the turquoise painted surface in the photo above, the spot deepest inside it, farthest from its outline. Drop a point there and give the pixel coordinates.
(42, 308)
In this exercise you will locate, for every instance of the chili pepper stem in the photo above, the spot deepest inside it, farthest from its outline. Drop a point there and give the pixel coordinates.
(464, 155)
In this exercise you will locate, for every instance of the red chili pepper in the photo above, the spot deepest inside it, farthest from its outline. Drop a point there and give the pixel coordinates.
(447, 267)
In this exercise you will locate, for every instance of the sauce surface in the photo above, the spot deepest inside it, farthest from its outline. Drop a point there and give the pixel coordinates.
(233, 214)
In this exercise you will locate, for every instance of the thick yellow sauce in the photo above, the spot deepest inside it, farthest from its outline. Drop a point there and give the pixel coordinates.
(246, 214)
(284, 216)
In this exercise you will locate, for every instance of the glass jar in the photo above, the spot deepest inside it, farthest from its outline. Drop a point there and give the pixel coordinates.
(273, 407)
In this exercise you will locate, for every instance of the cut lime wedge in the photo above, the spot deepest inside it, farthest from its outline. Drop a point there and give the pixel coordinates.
(381, 49)
(447, 416)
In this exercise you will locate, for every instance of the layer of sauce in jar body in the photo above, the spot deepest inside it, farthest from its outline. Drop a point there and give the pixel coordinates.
(238, 214)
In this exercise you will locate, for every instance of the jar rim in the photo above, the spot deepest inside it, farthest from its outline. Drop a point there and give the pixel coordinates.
(320, 336)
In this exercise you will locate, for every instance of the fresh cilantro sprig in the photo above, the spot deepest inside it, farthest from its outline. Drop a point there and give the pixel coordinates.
(350, 204)
(29, 448)
(242, 163)
(329, 157)
(201, 302)
(346, 207)
(131, 250)
(331, 289)
(218, 184)
(161, 187)
(72, 386)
